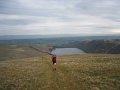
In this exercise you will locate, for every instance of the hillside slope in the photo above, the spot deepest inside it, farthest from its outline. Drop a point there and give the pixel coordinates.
(102, 46)
(74, 72)
(110, 46)
(19, 51)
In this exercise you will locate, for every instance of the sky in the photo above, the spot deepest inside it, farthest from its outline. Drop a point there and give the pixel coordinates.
(48, 17)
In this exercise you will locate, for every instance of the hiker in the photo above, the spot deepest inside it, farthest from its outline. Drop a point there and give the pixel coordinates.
(53, 56)
(54, 61)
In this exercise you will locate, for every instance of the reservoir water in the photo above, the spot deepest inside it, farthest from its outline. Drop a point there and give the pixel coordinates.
(67, 51)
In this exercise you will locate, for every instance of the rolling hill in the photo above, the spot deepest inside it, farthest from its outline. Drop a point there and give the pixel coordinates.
(111, 46)
(74, 72)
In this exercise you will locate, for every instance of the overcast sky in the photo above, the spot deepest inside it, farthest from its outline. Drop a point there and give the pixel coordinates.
(84, 17)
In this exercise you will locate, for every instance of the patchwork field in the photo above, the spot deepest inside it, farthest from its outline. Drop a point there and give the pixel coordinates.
(74, 72)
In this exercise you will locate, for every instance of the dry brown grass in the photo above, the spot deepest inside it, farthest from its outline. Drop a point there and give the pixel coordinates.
(74, 72)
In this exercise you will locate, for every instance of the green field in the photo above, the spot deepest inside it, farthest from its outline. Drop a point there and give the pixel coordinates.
(20, 51)
(74, 72)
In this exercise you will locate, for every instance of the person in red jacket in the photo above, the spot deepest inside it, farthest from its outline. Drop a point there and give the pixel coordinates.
(54, 61)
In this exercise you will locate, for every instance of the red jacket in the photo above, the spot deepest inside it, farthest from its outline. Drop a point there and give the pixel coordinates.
(53, 57)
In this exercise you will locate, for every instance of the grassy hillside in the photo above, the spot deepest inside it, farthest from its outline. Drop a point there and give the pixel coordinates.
(101, 46)
(18, 51)
(74, 72)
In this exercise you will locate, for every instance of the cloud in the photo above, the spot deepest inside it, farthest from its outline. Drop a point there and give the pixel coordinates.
(103, 8)
(88, 17)
(115, 31)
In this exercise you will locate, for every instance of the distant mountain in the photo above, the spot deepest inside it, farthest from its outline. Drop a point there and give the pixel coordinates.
(12, 37)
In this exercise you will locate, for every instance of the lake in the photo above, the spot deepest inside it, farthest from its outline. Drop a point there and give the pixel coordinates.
(66, 51)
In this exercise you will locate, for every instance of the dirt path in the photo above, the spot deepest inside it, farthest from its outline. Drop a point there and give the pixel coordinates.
(58, 80)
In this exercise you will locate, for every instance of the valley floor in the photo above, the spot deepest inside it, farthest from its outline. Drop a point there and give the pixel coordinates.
(74, 72)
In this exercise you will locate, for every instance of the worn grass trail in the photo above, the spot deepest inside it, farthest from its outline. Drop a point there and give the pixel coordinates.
(74, 72)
